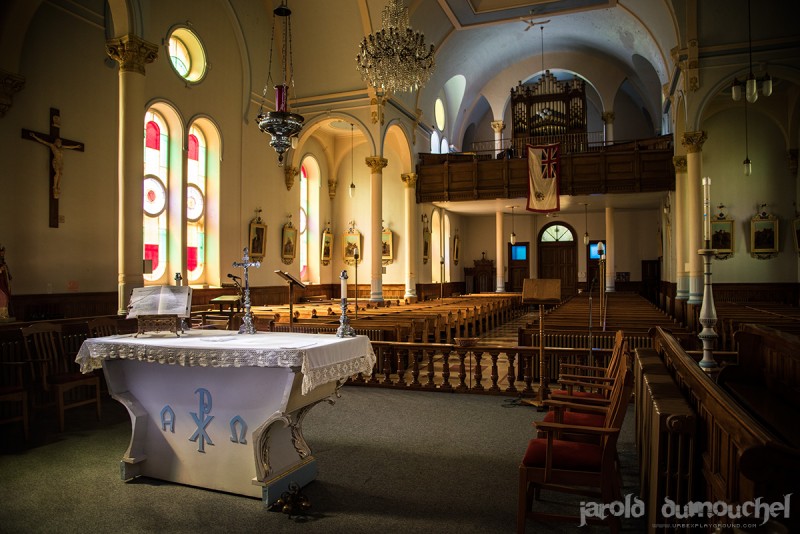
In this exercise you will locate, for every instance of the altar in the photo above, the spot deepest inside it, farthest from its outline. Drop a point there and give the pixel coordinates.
(222, 410)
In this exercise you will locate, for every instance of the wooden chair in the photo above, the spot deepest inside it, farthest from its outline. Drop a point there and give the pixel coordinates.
(56, 374)
(587, 381)
(580, 467)
(13, 395)
(588, 411)
(103, 326)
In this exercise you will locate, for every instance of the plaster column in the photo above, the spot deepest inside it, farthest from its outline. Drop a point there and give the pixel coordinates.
(682, 277)
(693, 141)
(500, 243)
(608, 122)
(376, 165)
(498, 127)
(611, 271)
(410, 249)
(132, 53)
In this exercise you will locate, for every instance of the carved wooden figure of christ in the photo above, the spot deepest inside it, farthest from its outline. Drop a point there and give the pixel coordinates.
(57, 146)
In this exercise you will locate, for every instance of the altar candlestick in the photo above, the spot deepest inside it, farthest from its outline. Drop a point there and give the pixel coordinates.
(707, 208)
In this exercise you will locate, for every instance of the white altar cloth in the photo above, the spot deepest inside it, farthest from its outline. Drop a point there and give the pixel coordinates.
(321, 358)
(223, 410)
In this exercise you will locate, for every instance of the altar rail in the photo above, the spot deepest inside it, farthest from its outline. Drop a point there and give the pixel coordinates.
(454, 368)
(739, 458)
(665, 439)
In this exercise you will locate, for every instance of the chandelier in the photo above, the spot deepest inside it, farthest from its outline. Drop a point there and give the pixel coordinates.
(395, 58)
(751, 83)
(281, 124)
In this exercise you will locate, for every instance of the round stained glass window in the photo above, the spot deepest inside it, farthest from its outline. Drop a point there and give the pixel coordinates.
(187, 54)
(195, 203)
(155, 196)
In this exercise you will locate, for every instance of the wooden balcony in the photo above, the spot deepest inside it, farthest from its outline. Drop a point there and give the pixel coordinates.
(586, 168)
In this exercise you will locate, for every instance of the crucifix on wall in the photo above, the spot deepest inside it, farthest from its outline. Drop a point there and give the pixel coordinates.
(57, 146)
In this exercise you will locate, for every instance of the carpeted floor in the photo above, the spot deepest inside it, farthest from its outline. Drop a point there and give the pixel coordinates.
(389, 461)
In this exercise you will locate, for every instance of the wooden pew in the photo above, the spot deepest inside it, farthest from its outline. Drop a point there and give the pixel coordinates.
(665, 435)
(766, 381)
(739, 458)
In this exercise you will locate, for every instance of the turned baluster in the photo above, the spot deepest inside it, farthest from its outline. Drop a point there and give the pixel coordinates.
(462, 371)
(512, 377)
(387, 366)
(478, 371)
(430, 355)
(527, 360)
(494, 376)
(415, 368)
(446, 370)
(401, 371)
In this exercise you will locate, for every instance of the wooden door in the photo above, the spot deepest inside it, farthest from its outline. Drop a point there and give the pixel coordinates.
(520, 268)
(560, 260)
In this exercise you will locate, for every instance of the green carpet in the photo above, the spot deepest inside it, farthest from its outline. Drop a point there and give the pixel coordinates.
(389, 461)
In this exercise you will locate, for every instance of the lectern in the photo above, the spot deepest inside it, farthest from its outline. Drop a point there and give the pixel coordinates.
(541, 291)
(292, 282)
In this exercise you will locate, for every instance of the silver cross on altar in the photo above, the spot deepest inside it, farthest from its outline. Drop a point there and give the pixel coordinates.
(247, 321)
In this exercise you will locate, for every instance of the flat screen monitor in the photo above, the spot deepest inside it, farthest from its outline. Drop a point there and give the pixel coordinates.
(519, 252)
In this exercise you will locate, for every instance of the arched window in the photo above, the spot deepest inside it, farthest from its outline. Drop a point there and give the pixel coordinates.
(155, 195)
(435, 145)
(556, 233)
(303, 226)
(195, 204)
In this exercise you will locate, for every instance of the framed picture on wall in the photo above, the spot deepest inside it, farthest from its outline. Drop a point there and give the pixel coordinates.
(763, 235)
(387, 250)
(722, 236)
(288, 243)
(258, 240)
(456, 249)
(351, 245)
(327, 247)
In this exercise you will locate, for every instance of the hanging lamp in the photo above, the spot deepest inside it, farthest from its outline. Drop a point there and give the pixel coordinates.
(352, 189)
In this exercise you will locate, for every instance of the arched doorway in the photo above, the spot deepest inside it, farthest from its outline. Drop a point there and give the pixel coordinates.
(558, 256)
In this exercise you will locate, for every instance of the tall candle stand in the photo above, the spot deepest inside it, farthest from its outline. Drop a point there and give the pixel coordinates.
(708, 313)
(355, 257)
(247, 321)
(344, 330)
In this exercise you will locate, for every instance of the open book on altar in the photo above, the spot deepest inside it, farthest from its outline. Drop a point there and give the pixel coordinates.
(160, 300)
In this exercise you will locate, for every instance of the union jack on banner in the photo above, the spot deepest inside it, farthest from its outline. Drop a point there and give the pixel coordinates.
(543, 176)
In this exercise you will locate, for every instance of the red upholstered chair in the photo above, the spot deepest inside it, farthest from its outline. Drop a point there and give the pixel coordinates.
(587, 381)
(56, 374)
(580, 467)
(582, 411)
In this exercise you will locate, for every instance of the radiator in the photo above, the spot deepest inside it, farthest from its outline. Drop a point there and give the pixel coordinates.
(665, 440)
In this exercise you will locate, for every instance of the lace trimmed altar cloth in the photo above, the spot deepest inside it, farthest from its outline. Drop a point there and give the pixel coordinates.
(322, 358)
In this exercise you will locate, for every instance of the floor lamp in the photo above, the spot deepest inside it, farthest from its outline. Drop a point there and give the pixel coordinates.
(541, 291)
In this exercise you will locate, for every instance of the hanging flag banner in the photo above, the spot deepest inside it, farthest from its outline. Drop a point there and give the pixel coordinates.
(543, 173)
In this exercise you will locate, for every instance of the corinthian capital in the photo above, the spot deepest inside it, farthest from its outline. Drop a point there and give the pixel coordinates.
(498, 126)
(9, 84)
(409, 178)
(376, 164)
(680, 163)
(693, 141)
(131, 52)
